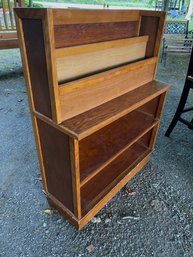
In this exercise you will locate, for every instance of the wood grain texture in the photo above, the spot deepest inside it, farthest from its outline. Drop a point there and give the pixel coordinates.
(30, 96)
(80, 34)
(56, 157)
(51, 65)
(63, 16)
(35, 49)
(110, 119)
(88, 122)
(106, 57)
(74, 50)
(95, 90)
(100, 148)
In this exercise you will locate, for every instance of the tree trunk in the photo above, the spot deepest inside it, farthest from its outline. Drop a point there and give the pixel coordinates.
(165, 5)
(30, 3)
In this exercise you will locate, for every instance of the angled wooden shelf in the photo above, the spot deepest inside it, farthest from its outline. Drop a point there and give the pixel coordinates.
(94, 100)
(88, 122)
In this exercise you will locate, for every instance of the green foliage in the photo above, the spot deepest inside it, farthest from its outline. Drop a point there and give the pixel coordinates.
(36, 5)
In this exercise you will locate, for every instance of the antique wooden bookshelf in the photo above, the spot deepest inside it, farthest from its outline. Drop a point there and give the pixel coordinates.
(94, 100)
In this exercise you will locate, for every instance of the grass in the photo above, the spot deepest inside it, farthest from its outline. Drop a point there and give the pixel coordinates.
(125, 3)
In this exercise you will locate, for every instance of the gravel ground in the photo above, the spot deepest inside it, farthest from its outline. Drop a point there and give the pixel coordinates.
(162, 206)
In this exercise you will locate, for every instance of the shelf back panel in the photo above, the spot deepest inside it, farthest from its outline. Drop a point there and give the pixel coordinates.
(75, 62)
(79, 34)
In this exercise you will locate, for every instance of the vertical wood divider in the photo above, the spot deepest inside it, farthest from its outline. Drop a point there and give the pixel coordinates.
(48, 30)
(158, 116)
(75, 170)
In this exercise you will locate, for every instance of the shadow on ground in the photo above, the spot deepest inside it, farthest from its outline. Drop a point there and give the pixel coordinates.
(164, 189)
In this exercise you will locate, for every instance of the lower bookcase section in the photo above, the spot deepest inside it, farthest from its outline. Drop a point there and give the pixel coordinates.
(82, 174)
(95, 189)
(100, 148)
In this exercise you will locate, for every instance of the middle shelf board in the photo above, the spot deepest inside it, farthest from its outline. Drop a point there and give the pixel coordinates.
(79, 61)
(90, 121)
(100, 148)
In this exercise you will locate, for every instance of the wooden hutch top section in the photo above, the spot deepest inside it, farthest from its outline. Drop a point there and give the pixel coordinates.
(78, 60)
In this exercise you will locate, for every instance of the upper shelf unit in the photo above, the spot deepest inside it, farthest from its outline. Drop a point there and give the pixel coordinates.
(86, 61)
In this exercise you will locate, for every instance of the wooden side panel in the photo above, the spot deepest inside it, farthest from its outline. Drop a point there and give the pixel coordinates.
(104, 87)
(79, 34)
(56, 159)
(35, 49)
(149, 26)
(83, 64)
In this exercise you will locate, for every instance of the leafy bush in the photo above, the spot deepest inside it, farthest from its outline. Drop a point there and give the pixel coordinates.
(36, 5)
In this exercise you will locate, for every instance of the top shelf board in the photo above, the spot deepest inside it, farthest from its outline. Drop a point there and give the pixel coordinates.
(90, 121)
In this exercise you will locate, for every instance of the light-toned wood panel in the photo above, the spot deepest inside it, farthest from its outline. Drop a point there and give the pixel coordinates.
(68, 51)
(62, 16)
(51, 65)
(106, 75)
(85, 63)
(89, 93)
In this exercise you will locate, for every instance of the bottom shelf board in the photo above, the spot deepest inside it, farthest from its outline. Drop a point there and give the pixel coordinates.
(93, 191)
